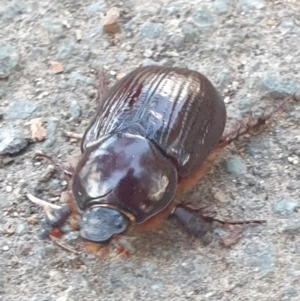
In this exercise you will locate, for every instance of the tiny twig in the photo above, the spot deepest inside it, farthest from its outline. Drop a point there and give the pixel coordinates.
(73, 135)
(64, 246)
(41, 202)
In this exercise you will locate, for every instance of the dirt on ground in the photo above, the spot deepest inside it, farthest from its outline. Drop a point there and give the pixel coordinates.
(50, 52)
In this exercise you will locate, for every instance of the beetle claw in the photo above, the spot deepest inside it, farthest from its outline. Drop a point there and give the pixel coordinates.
(56, 215)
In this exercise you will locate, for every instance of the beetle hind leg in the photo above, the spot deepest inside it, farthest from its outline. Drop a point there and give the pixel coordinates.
(251, 123)
(200, 225)
(194, 223)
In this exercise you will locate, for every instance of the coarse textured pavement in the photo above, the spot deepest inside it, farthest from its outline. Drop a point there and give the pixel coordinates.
(250, 51)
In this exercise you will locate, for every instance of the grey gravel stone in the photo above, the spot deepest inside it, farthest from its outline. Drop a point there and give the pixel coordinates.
(246, 103)
(54, 184)
(12, 10)
(293, 227)
(190, 33)
(21, 109)
(252, 4)
(122, 57)
(285, 207)
(156, 286)
(236, 166)
(178, 9)
(287, 24)
(289, 292)
(262, 257)
(52, 26)
(222, 6)
(167, 62)
(177, 42)
(150, 30)
(224, 77)
(279, 85)
(12, 141)
(149, 62)
(9, 59)
(51, 132)
(75, 109)
(12, 145)
(71, 236)
(77, 79)
(3, 88)
(69, 68)
(202, 18)
(97, 7)
(20, 230)
(3, 201)
(65, 49)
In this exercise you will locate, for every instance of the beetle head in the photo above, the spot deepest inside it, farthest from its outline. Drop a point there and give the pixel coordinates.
(122, 179)
(99, 224)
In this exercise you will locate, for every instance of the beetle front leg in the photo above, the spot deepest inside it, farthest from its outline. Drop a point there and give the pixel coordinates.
(56, 216)
(102, 89)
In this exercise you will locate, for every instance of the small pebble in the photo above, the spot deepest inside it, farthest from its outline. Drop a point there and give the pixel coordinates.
(8, 188)
(222, 6)
(65, 49)
(9, 59)
(202, 18)
(236, 165)
(5, 248)
(11, 229)
(21, 109)
(13, 144)
(285, 207)
(281, 85)
(252, 4)
(149, 62)
(220, 197)
(75, 109)
(148, 53)
(110, 22)
(20, 230)
(52, 128)
(151, 30)
(33, 219)
(97, 7)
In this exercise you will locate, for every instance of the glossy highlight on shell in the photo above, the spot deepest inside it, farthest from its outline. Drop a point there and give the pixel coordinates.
(177, 109)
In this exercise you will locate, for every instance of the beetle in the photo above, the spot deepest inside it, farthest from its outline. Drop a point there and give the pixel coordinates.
(154, 135)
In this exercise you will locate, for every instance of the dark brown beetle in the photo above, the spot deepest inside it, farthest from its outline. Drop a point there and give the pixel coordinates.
(154, 135)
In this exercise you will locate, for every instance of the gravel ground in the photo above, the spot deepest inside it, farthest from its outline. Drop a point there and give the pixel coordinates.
(49, 51)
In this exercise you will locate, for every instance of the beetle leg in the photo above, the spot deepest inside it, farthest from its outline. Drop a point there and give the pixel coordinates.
(251, 123)
(200, 225)
(194, 223)
(56, 216)
(228, 222)
(102, 87)
(65, 169)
